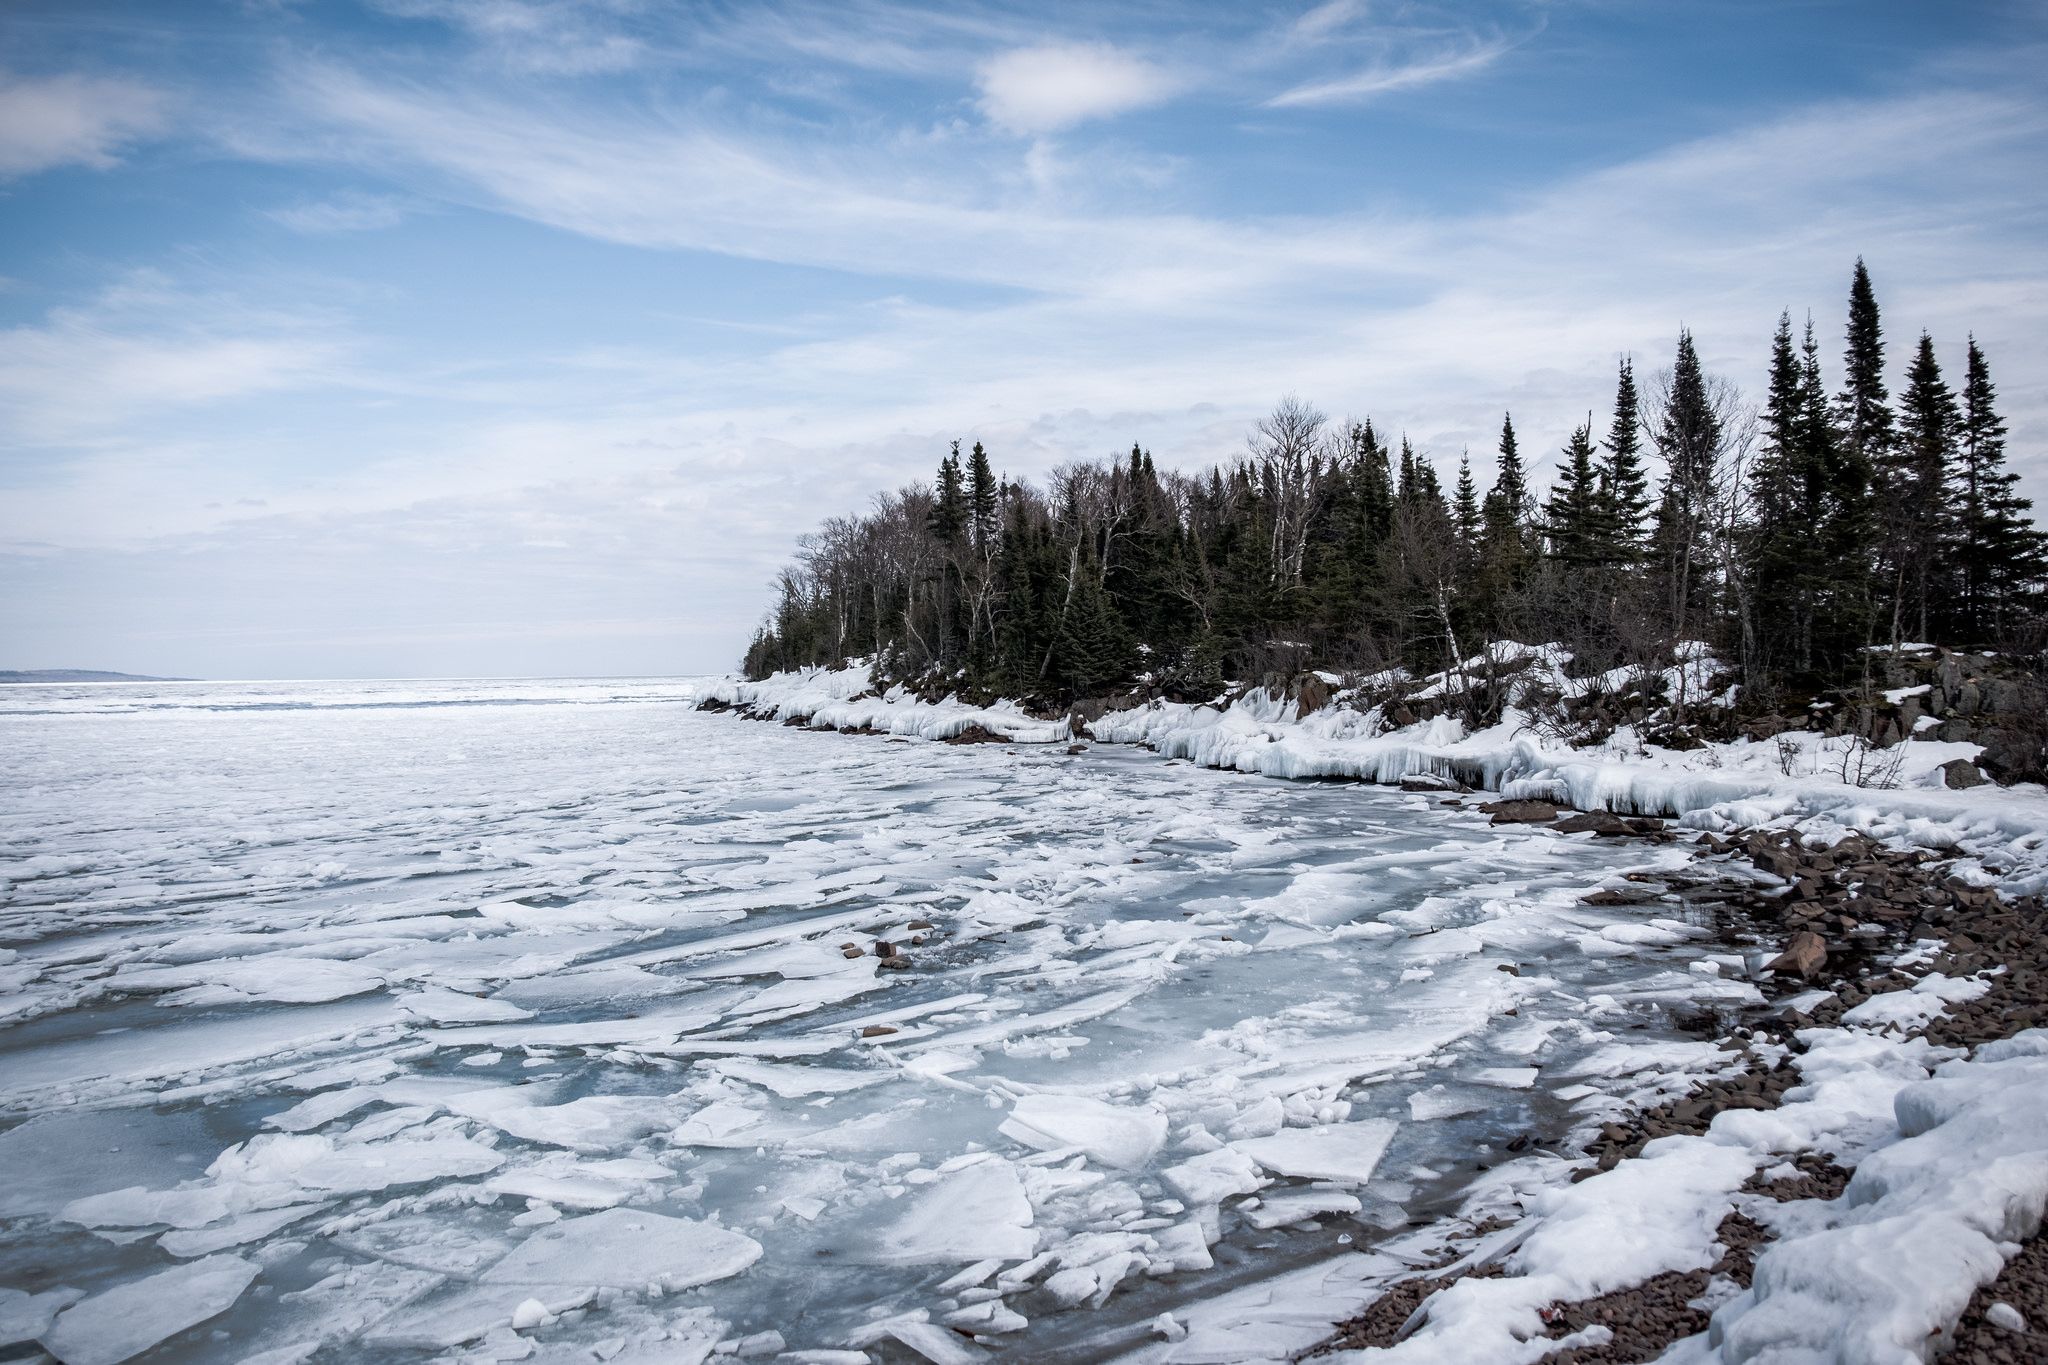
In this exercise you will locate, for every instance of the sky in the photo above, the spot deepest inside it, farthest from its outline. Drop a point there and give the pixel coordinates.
(420, 338)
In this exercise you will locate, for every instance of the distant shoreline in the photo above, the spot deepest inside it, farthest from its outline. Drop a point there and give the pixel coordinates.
(77, 675)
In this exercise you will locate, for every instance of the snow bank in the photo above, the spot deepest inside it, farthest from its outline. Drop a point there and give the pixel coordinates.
(1721, 787)
(845, 699)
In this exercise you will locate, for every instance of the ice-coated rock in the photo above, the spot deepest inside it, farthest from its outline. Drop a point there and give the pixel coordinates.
(130, 1318)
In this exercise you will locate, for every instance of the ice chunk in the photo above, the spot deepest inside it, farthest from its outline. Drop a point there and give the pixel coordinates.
(626, 1249)
(978, 1213)
(1340, 1151)
(439, 1005)
(1437, 1102)
(1279, 1210)
(1505, 1077)
(1115, 1135)
(130, 1318)
(24, 1317)
(794, 1082)
(247, 1228)
(595, 1123)
(1213, 1176)
(471, 1312)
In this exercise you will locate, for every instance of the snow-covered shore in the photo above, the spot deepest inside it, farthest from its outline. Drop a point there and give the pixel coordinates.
(1949, 1145)
(2002, 831)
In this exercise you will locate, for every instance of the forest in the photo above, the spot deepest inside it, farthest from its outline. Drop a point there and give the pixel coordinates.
(1792, 531)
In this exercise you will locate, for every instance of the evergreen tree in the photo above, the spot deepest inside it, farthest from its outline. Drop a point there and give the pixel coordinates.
(1465, 507)
(2000, 558)
(1624, 484)
(1689, 439)
(1837, 486)
(1780, 544)
(1918, 481)
(1865, 405)
(982, 500)
(1572, 513)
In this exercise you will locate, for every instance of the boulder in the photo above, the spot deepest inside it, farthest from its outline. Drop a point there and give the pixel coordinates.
(1806, 954)
(1593, 822)
(1523, 812)
(1960, 772)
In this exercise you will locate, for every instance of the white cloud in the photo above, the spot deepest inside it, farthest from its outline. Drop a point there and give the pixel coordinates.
(1045, 89)
(141, 346)
(61, 120)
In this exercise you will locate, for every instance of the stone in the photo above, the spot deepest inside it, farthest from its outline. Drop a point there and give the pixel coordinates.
(876, 1031)
(1806, 954)
(1521, 812)
(1593, 822)
(1960, 772)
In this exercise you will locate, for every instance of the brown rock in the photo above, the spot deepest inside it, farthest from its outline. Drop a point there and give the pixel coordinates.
(1593, 822)
(851, 950)
(1522, 812)
(1806, 954)
(876, 1031)
(919, 924)
(895, 964)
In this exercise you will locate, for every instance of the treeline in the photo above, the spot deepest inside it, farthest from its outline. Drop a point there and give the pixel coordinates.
(1790, 533)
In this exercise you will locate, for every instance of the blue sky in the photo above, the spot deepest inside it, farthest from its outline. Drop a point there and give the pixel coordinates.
(428, 337)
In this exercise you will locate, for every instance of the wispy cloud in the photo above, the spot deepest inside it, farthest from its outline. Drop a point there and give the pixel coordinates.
(1386, 76)
(72, 119)
(541, 37)
(144, 345)
(1048, 88)
(343, 213)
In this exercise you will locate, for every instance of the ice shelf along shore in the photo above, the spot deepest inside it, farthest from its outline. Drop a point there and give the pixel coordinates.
(1720, 787)
(551, 1021)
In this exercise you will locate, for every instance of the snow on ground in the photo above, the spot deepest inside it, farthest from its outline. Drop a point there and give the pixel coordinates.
(499, 1018)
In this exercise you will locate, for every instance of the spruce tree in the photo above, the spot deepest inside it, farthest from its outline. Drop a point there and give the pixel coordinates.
(1465, 506)
(1572, 513)
(1865, 405)
(1918, 484)
(2000, 557)
(1624, 484)
(1779, 541)
(1689, 439)
(982, 500)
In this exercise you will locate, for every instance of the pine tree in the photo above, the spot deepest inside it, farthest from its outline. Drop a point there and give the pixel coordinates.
(1918, 484)
(1511, 484)
(2000, 557)
(1779, 542)
(1572, 513)
(1465, 507)
(982, 501)
(1690, 442)
(1837, 486)
(1865, 405)
(1624, 484)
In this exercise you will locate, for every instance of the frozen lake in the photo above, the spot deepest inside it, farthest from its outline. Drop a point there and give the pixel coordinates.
(361, 1021)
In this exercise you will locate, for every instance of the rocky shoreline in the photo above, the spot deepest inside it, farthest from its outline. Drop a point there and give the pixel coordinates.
(1843, 914)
